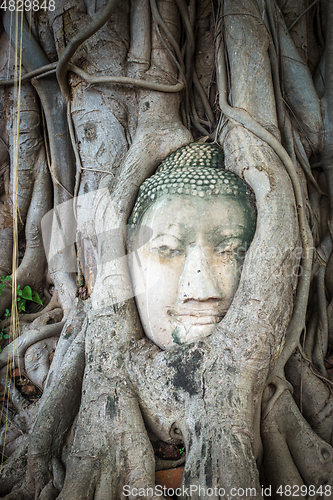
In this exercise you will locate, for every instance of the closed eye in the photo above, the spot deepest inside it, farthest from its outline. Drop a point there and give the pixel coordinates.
(166, 246)
(165, 251)
(228, 245)
(232, 247)
(240, 252)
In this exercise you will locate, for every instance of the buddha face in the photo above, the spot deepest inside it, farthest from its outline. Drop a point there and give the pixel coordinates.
(190, 268)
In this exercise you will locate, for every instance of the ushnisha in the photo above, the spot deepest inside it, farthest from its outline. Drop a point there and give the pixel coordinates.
(194, 170)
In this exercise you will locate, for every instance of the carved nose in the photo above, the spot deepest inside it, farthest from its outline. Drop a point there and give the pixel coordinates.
(197, 281)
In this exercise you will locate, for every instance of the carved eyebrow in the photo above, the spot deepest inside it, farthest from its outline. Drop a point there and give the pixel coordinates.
(231, 237)
(170, 225)
(165, 234)
(235, 227)
(172, 229)
(230, 240)
(238, 232)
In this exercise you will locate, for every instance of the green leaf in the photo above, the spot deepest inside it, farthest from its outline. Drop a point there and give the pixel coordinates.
(7, 313)
(26, 293)
(3, 280)
(6, 336)
(19, 292)
(20, 304)
(36, 298)
(21, 308)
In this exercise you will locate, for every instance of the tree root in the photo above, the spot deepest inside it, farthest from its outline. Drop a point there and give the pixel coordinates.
(136, 82)
(298, 87)
(159, 23)
(161, 464)
(12, 472)
(293, 453)
(312, 396)
(15, 431)
(31, 74)
(51, 306)
(91, 80)
(61, 155)
(14, 352)
(28, 165)
(31, 270)
(19, 402)
(321, 344)
(297, 322)
(110, 433)
(280, 385)
(140, 38)
(54, 419)
(72, 328)
(101, 18)
(29, 318)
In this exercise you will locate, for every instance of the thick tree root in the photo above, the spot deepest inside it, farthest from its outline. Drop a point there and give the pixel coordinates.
(51, 306)
(313, 397)
(110, 433)
(211, 420)
(55, 418)
(70, 331)
(293, 453)
(13, 471)
(15, 351)
(29, 318)
(28, 165)
(32, 267)
(161, 464)
(241, 116)
(67, 380)
(15, 431)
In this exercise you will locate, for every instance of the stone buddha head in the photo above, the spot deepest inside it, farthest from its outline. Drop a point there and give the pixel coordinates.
(201, 222)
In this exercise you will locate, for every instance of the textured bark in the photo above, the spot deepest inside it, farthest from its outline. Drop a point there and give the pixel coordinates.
(110, 391)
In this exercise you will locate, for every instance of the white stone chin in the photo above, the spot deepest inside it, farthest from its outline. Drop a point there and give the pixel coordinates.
(182, 335)
(197, 332)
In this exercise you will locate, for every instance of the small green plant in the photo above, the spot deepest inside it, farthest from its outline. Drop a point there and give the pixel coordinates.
(181, 450)
(21, 299)
(3, 280)
(3, 335)
(24, 295)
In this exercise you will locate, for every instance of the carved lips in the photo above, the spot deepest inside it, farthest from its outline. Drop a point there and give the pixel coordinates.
(198, 313)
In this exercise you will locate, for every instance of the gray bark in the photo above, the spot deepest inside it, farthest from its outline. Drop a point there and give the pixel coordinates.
(227, 398)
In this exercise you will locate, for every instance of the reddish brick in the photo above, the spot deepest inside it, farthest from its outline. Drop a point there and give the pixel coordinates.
(169, 478)
(29, 390)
